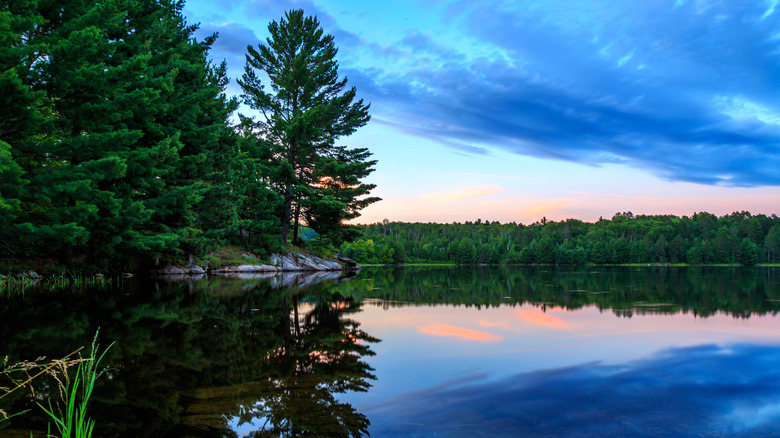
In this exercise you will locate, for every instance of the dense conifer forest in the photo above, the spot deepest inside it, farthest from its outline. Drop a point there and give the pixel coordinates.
(118, 145)
(702, 238)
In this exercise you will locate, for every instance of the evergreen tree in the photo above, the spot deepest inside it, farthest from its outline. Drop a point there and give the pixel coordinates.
(21, 119)
(258, 205)
(598, 253)
(747, 253)
(113, 111)
(772, 244)
(544, 251)
(306, 110)
(693, 255)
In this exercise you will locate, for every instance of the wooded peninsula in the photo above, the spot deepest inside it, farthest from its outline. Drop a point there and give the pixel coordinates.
(120, 150)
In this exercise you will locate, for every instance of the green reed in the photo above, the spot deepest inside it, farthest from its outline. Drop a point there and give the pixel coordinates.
(69, 415)
(71, 418)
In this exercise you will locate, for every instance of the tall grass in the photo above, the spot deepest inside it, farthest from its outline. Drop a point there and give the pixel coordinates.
(71, 418)
(28, 371)
(69, 415)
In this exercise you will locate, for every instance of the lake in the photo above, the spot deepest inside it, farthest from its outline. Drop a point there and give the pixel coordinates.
(421, 352)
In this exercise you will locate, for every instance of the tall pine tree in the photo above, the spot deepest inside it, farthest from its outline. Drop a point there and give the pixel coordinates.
(305, 111)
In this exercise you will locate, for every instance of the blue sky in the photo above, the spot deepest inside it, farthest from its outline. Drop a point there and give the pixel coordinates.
(512, 111)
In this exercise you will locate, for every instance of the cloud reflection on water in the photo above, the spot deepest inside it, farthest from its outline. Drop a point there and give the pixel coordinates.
(728, 390)
(461, 332)
(538, 318)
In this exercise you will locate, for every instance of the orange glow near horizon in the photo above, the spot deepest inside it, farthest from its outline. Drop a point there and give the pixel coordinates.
(528, 200)
(463, 193)
(543, 319)
(460, 332)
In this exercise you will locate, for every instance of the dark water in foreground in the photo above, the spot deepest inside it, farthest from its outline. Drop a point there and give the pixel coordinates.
(420, 352)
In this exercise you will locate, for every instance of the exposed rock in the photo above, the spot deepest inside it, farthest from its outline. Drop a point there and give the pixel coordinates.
(279, 263)
(256, 268)
(246, 269)
(247, 275)
(351, 263)
(292, 262)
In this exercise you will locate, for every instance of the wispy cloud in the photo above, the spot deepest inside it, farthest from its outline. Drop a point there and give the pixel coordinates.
(686, 90)
(687, 93)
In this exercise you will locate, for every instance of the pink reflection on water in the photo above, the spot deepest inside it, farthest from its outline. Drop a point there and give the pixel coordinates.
(499, 324)
(460, 332)
(538, 318)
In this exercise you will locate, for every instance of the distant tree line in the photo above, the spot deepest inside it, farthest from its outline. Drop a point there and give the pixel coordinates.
(116, 141)
(702, 238)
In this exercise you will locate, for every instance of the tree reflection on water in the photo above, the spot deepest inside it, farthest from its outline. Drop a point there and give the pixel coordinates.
(319, 355)
(200, 358)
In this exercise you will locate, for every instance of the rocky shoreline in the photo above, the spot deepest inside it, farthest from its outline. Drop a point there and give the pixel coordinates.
(279, 263)
(288, 263)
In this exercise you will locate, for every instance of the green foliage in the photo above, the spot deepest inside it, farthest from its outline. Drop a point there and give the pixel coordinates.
(227, 255)
(772, 244)
(305, 112)
(72, 421)
(747, 254)
(115, 137)
(703, 238)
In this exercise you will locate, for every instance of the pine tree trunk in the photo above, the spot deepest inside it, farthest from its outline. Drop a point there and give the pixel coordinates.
(295, 223)
(288, 198)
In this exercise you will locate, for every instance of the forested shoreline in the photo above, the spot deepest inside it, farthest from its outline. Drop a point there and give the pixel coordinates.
(703, 238)
(120, 149)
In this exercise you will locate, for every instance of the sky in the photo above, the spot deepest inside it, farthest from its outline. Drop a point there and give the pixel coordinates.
(512, 111)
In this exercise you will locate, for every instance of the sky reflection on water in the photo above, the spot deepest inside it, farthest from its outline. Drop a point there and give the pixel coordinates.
(512, 371)
(729, 390)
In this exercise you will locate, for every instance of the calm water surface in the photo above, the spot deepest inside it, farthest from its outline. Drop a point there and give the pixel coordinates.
(421, 352)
